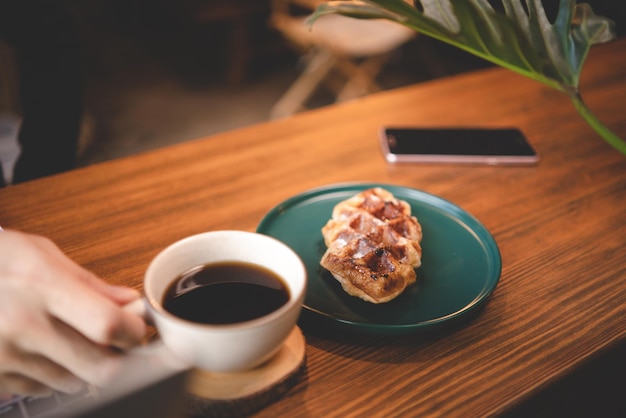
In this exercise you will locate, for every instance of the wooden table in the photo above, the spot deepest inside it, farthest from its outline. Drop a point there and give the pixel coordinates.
(560, 227)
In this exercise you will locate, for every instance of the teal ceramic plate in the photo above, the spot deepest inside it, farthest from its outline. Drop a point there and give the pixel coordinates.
(461, 262)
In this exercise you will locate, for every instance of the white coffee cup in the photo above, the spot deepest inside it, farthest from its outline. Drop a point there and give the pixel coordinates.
(230, 347)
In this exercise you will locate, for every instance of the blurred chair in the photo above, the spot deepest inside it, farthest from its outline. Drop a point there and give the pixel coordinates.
(342, 53)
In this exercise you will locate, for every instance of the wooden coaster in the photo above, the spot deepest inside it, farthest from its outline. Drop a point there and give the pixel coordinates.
(238, 394)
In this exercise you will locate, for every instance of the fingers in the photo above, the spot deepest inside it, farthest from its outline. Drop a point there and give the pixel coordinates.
(55, 355)
(120, 294)
(31, 374)
(102, 320)
(18, 384)
(25, 371)
(73, 294)
(92, 363)
(58, 321)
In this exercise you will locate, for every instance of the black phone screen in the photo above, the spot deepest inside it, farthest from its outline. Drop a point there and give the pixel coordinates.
(458, 141)
(457, 144)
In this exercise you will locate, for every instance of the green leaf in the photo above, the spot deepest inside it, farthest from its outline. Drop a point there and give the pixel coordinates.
(519, 37)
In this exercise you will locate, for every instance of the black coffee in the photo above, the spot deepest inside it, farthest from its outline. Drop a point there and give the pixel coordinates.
(225, 293)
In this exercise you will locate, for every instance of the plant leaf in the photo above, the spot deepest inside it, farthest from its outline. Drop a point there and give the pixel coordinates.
(520, 38)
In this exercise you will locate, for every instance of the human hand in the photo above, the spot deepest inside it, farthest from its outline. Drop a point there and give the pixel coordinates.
(60, 325)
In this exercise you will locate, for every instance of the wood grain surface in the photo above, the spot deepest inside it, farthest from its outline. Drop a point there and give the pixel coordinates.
(560, 227)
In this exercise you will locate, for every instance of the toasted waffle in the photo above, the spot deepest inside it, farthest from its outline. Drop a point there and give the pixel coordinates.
(373, 245)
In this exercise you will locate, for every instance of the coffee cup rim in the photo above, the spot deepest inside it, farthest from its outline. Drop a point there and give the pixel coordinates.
(294, 297)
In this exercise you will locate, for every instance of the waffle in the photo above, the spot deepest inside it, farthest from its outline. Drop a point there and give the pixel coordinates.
(373, 245)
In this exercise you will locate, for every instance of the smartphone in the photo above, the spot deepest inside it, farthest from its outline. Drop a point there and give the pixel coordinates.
(456, 145)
